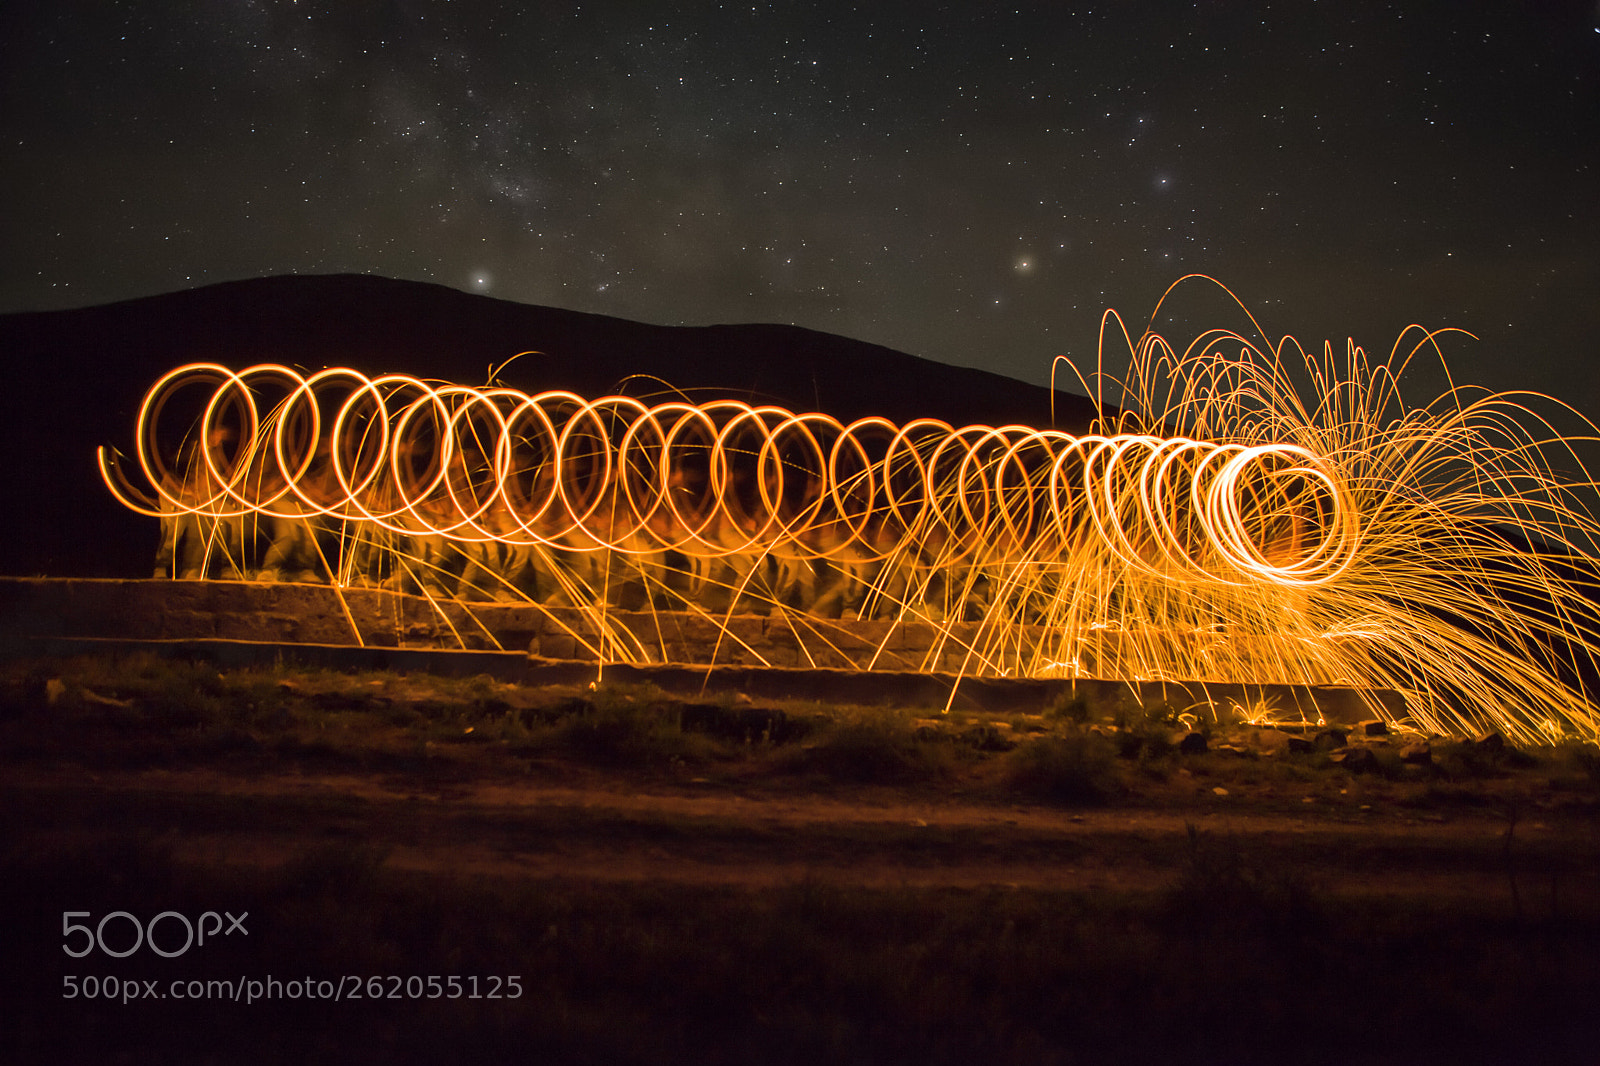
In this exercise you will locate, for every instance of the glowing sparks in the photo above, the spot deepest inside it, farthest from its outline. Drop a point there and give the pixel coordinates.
(1224, 529)
(723, 479)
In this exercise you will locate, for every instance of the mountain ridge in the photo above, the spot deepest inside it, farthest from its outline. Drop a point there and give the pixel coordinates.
(78, 375)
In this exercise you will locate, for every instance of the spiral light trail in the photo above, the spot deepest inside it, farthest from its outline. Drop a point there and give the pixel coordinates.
(1222, 528)
(725, 478)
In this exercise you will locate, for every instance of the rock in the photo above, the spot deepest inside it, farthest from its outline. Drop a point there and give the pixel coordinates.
(1192, 744)
(1491, 743)
(1373, 727)
(1271, 740)
(91, 696)
(1417, 753)
(986, 737)
(1330, 739)
(555, 646)
(1300, 746)
(1219, 791)
(1357, 760)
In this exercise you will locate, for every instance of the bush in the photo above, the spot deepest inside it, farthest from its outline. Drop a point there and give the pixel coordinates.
(870, 749)
(1068, 708)
(1073, 769)
(746, 725)
(629, 736)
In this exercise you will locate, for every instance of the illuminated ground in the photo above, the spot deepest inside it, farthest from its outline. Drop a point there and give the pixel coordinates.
(787, 881)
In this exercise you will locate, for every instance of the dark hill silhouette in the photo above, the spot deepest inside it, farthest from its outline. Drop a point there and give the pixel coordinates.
(75, 378)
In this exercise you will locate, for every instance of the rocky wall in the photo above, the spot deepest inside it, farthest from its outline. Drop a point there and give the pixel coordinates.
(142, 610)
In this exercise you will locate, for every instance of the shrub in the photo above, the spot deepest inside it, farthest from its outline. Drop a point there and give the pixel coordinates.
(870, 749)
(629, 736)
(1075, 769)
(1068, 708)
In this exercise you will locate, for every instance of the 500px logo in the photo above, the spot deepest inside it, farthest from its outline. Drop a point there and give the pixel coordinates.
(146, 933)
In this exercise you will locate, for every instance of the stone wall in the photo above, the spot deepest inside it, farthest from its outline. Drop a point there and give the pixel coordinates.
(320, 614)
(32, 609)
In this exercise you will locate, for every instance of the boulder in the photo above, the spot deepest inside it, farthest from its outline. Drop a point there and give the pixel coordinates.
(1491, 743)
(1358, 760)
(1271, 741)
(1330, 739)
(1417, 753)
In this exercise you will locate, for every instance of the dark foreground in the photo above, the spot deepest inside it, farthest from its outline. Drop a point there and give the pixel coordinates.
(612, 876)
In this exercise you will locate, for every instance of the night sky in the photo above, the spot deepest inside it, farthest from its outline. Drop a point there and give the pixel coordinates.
(969, 182)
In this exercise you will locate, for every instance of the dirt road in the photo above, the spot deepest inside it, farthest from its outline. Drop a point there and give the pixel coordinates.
(705, 833)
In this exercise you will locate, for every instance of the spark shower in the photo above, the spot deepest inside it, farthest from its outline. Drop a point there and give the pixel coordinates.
(1222, 526)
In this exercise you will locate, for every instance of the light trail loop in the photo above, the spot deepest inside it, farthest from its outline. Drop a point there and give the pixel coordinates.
(724, 478)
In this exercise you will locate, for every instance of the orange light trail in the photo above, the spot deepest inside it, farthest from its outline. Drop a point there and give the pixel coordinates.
(726, 478)
(1220, 527)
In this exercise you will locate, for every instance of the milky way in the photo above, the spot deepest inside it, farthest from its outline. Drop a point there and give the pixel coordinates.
(972, 184)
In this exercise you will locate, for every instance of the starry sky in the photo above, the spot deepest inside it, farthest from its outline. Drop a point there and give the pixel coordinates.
(969, 182)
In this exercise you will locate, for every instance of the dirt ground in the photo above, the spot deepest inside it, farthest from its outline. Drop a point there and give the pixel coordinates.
(436, 795)
(727, 881)
(710, 834)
